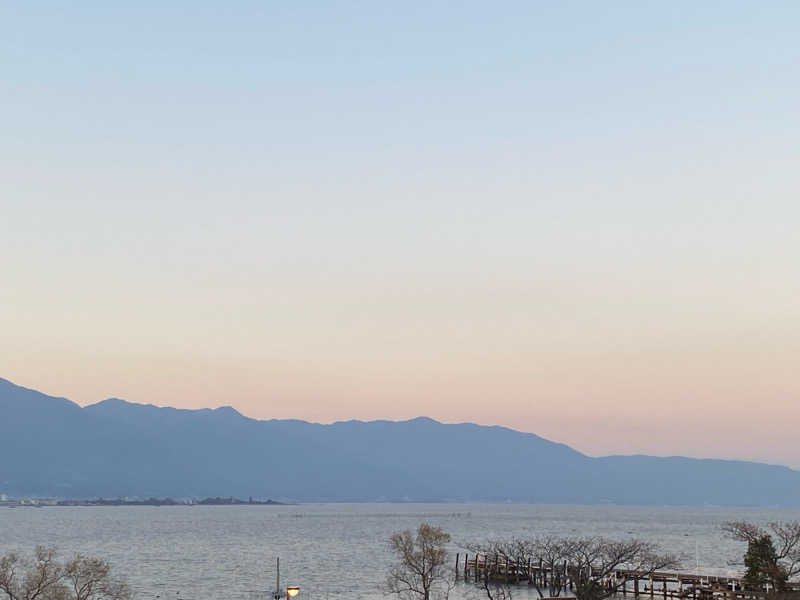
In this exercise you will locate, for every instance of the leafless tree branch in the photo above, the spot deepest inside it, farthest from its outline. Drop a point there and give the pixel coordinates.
(44, 577)
(785, 534)
(420, 572)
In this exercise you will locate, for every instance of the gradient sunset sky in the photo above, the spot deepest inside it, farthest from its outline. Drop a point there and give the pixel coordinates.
(579, 219)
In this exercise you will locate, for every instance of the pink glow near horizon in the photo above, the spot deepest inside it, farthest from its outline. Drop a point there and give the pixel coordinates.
(664, 402)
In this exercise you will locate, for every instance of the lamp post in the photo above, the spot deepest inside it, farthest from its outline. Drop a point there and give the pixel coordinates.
(291, 591)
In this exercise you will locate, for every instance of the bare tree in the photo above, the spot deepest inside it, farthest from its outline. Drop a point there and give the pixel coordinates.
(9, 578)
(553, 554)
(30, 579)
(420, 572)
(594, 562)
(548, 552)
(90, 579)
(44, 577)
(491, 583)
(590, 565)
(785, 535)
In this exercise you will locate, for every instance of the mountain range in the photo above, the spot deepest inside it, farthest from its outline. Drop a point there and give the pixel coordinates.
(51, 446)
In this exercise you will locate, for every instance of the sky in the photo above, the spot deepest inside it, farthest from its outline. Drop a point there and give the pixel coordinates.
(578, 219)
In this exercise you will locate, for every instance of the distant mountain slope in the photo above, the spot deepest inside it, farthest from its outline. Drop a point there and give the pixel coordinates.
(52, 446)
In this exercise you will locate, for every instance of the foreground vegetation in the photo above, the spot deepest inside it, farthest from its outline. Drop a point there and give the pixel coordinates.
(43, 576)
(589, 564)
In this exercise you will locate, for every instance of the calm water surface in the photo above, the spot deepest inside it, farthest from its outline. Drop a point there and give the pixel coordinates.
(333, 550)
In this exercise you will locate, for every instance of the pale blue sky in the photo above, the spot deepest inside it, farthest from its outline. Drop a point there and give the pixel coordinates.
(526, 213)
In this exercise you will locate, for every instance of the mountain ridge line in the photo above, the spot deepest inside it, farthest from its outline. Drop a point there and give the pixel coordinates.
(117, 447)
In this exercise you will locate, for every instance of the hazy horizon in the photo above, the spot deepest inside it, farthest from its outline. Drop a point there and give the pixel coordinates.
(574, 219)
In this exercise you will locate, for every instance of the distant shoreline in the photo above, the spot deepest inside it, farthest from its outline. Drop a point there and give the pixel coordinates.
(218, 501)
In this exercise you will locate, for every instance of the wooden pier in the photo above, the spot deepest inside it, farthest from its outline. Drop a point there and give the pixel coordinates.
(657, 585)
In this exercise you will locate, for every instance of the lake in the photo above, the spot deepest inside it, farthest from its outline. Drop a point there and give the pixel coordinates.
(333, 550)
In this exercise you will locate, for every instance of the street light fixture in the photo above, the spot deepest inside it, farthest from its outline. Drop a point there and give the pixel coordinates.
(292, 591)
